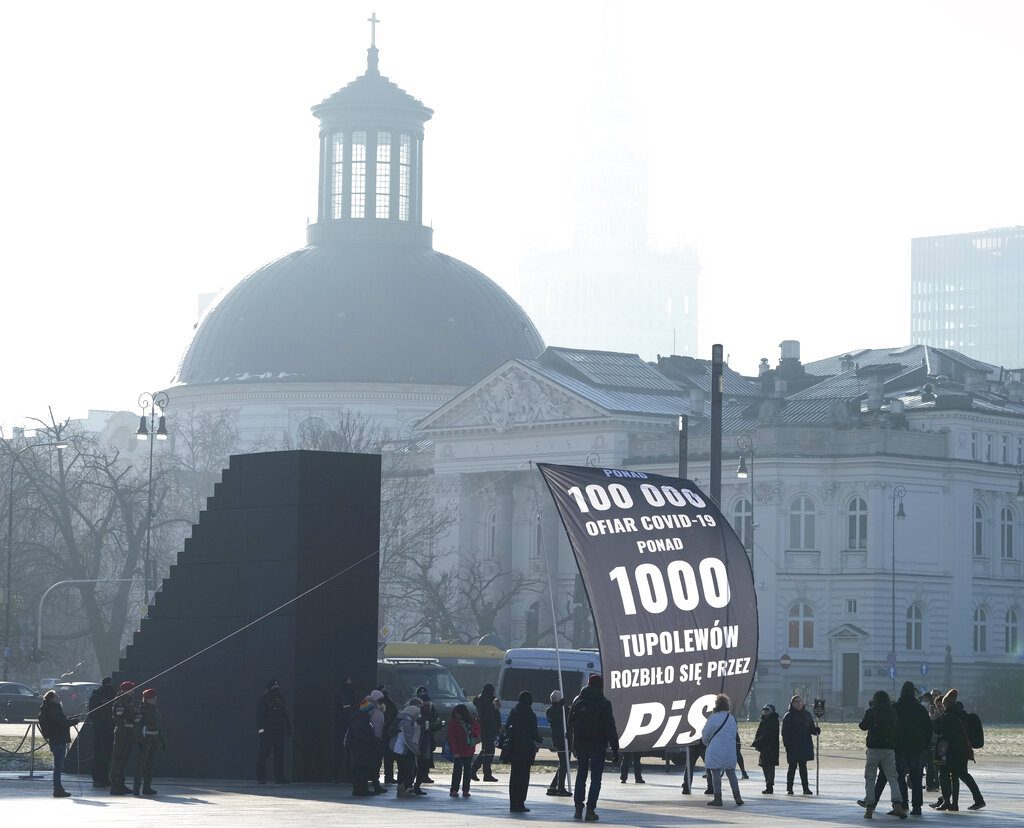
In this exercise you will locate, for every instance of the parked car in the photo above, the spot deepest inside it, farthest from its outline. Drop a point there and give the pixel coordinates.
(74, 695)
(404, 675)
(18, 702)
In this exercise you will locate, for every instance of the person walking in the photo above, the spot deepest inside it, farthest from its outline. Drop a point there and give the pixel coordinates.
(913, 736)
(880, 721)
(592, 727)
(56, 729)
(149, 737)
(390, 717)
(122, 713)
(404, 746)
(521, 742)
(766, 743)
(102, 724)
(720, 734)
(463, 736)
(798, 726)
(931, 773)
(361, 744)
(490, 724)
(557, 717)
(345, 706)
(273, 727)
(430, 723)
(958, 751)
(377, 720)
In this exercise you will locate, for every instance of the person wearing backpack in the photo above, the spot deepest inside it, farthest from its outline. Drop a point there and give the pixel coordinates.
(592, 725)
(954, 744)
(720, 734)
(880, 721)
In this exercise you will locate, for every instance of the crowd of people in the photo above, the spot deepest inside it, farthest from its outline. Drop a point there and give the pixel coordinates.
(914, 745)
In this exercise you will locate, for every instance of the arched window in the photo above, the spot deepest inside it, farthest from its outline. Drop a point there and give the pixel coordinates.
(980, 630)
(915, 627)
(743, 522)
(801, 524)
(857, 537)
(1011, 639)
(490, 540)
(1006, 532)
(801, 627)
(979, 531)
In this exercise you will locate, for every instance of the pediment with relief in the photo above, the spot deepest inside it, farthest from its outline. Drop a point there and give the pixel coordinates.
(512, 399)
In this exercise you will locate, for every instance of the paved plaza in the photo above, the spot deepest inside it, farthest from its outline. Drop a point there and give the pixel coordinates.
(658, 803)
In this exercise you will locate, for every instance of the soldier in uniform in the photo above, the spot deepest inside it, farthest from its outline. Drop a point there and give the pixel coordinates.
(122, 711)
(102, 732)
(273, 726)
(149, 738)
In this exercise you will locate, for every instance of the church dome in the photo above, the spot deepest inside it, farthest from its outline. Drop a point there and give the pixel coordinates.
(368, 300)
(361, 312)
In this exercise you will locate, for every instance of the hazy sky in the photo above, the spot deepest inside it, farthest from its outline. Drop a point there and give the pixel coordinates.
(153, 152)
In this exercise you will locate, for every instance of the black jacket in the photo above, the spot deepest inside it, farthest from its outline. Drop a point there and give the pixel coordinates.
(766, 741)
(522, 737)
(362, 744)
(272, 715)
(881, 724)
(345, 706)
(56, 727)
(914, 732)
(950, 726)
(100, 716)
(490, 718)
(797, 729)
(557, 716)
(592, 724)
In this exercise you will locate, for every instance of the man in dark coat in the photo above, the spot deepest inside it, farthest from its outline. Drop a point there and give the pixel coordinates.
(521, 742)
(344, 707)
(122, 712)
(913, 736)
(766, 743)
(362, 748)
(390, 715)
(430, 723)
(952, 730)
(798, 726)
(273, 726)
(102, 724)
(557, 717)
(881, 722)
(148, 736)
(490, 724)
(593, 730)
(56, 729)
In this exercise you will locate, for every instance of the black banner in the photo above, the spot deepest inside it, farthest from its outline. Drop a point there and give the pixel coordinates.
(672, 593)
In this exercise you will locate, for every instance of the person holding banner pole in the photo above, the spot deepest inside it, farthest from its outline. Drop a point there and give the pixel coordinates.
(559, 743)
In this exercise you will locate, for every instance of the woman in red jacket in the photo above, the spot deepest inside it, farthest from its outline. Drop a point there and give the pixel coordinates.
(463, 736)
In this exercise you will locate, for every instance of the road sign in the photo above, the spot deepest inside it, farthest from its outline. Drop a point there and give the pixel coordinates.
(890, 660)
(892, 672)
(385, 631)
(785, 661)
(924, 669)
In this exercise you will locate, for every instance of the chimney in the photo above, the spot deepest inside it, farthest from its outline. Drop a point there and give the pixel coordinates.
(763, 368)
(790, 349)
(876, 391)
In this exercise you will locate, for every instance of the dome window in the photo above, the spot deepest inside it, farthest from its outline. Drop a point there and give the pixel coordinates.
(382, 193)
(358, 174)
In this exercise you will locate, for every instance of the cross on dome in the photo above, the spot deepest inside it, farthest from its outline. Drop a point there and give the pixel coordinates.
(373, 20)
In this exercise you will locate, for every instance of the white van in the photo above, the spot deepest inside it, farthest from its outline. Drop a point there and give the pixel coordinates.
(536, 669)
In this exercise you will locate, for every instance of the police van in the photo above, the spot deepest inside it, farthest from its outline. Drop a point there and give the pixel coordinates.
(536, 669)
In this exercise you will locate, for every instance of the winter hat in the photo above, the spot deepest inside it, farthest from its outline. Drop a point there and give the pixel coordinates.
(412, 711)
(149, 693)
(421, 693)
(908, 689)
(273, 684)
(127, 686)
(769, 707)
(950, 698)
(415, 702)
(366, 705)
(376, 695)
(526, 697)
(556, 696)
(489, 688)
(596, 681)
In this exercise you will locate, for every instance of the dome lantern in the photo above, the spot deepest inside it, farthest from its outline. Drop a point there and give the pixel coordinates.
(371, 161)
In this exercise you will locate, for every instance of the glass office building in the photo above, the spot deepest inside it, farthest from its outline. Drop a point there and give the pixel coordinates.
(967, 293)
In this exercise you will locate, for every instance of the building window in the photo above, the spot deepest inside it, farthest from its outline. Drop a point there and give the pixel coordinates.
(743, 522)
(858, 524)
(358, 175)
(490, 533)
(851, 606)
(801, 627)
(974, 445)
(1006, 518)
(979, 532)
(915, 627)
(404, 175)
(801, 524)
(337, 173)
(988, 448)
(538, 538)
(980, 630)
(1011, 638)
(383, 198)
(1006, 449)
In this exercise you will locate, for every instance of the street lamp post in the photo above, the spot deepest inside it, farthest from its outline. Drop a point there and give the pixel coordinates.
(60, 445)
(152, 401)
(898, 493)
(746, 446)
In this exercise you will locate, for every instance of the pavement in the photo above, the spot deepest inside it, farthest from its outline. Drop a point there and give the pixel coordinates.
(657, 803)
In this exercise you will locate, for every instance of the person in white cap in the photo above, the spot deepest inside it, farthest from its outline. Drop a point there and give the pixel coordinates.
(556, 719)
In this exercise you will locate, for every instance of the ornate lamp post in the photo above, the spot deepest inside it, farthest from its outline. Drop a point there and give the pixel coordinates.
(152, 401)
(898, 493)
(746, 446)
(60, 445)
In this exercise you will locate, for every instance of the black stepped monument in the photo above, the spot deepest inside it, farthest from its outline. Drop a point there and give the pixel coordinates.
(278, 524)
